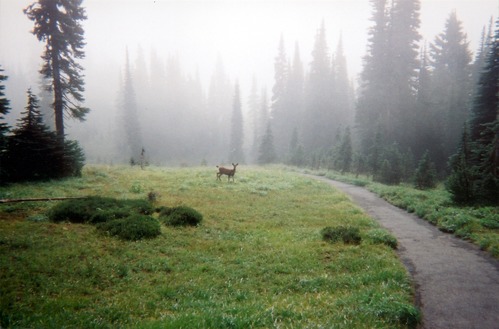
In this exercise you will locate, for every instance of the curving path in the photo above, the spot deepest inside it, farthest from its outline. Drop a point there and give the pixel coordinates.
(457, 285)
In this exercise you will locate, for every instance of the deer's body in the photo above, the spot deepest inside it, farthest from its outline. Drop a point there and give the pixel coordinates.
(226, 171)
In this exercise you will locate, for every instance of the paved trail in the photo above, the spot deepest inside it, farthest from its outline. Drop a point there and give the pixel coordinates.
(457, 285)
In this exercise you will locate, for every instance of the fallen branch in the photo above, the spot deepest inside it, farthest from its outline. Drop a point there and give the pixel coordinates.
(41, 199)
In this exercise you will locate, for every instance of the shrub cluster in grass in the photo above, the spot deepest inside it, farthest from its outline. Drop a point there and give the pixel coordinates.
(180, 216)
(347, 234)
(97, 209)
(379, 236)
(134, 227)
(127, 219)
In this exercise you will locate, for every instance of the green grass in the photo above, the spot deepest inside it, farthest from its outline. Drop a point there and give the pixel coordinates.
(256, 261)
(479, 225)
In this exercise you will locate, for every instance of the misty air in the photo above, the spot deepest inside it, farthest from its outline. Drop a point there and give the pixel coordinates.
(136, 112)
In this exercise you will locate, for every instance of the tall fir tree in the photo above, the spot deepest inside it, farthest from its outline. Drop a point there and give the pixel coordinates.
(263, 116)
(462, 176)
(131, 144)
(296, 152)
(252, 122)
(345, 152)
(342, 93)
(294, 102)
(451, 64)
(387, 97)
(58, 24)
(266, 152)
(484, 126)
(482, 52)
(236, 153)
(427, 127)
(279, 106)
(403, 57)
(4, 110)
(318, 118)
(373, 85)
(220, 99)
(4, 127)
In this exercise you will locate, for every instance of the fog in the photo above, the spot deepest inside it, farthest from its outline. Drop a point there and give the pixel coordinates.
(185, 58)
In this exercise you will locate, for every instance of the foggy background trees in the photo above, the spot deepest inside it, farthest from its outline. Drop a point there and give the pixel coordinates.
(405, 111)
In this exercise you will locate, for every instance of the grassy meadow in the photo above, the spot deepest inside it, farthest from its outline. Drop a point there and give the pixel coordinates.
(257, 260)
(477, 224)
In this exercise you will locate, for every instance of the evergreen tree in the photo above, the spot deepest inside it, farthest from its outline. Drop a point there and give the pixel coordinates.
(4, 128)
(484, 126)
(374, 86)
(263, 116)
(220, 95)
(342, 93)
(461, 179)
(36, 153)
(129, 117)
(267, 151)
(236, 153)
(319, 121)
(482, 52)
(392, 169)
(451, 62)
(426, 174)
(4, 110)
(57, 23)
(279, 107)
(403, 57)
(345, 152)
(389, 78)
(294, 100)
(427, 126)
(296, 152)
(252, 124)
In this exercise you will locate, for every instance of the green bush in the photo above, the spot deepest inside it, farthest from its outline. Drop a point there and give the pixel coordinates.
(181, 216)
(135, 227)
(102, 216)
(97, 209)
(453, 223)
(379, 236)
(347, 234)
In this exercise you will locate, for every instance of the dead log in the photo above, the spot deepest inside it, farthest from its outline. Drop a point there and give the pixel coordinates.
(41, 199)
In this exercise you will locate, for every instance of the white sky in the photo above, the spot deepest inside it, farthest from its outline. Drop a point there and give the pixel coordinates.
(245, 33)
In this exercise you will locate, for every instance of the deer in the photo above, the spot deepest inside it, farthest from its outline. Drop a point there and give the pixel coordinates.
(225, 171)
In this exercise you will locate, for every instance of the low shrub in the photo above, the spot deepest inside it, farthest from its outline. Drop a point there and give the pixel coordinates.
(491, 223)
(379, 236)
(181, 216)
(347, 234)
(102, 216)
(135, 227)
(453, 222)
(97, 209)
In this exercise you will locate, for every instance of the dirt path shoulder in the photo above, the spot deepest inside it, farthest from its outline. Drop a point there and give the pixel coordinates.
(457, 285)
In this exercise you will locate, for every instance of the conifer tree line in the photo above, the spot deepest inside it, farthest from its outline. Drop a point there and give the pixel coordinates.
(423, 110)
(183, 123)
(415, 100)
